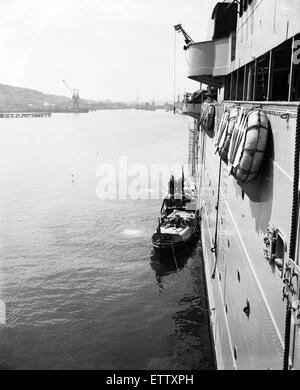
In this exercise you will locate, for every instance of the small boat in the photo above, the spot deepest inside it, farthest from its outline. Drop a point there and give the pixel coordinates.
(178, 225)
(175, 231)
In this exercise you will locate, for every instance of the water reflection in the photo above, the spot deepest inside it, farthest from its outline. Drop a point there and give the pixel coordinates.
(189, 345)
(191, 334)
(170, 263)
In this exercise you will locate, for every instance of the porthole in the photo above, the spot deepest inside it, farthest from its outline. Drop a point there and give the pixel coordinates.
(235, 352)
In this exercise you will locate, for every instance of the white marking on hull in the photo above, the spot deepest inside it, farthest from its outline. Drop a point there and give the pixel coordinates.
(283, 171)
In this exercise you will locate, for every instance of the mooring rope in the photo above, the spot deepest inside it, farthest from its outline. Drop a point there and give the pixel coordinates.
(174, 258)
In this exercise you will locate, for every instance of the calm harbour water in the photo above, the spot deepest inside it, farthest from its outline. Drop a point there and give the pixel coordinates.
(82, 287)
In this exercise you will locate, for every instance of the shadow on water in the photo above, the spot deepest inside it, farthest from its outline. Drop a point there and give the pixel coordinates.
(5, 350)
(192, 334)
(4, 366)
(168, 264)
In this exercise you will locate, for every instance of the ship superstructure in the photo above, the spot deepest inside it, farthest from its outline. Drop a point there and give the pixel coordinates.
(244, 152)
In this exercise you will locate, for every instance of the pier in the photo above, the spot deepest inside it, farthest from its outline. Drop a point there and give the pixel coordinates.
(25, 114)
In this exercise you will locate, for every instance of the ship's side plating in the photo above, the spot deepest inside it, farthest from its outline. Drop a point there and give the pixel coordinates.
(245, 227)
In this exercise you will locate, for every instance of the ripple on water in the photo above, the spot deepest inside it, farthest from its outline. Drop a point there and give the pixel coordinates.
(133, 233)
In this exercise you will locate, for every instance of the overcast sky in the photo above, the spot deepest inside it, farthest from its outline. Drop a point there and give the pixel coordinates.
(108, 49)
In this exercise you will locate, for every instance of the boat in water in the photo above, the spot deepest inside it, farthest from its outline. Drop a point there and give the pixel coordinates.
(175, 231)
(244, 149)
(178, 226)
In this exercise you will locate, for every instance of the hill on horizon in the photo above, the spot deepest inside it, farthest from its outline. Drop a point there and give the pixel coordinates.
(25, 97)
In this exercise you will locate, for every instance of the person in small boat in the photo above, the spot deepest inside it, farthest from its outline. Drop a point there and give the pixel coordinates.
(178, 222)
(171, 199)
(164, 206)
(167, 205)
(172, 186)
(163, 220)
(184, 223)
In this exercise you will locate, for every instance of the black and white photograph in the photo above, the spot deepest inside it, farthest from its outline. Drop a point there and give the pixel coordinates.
(149, 188)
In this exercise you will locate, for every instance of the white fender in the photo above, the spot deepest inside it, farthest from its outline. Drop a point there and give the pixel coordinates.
(221, 130)
(227, 134)
(211, 117)
(252, 148)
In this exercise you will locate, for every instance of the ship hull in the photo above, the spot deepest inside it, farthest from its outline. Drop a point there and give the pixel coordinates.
(237, 272)
(247, 130)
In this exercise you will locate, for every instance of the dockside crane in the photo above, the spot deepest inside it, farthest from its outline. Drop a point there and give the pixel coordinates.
(75, 95)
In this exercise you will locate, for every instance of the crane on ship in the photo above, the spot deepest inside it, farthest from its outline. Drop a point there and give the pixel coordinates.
(188, 40)
(75, 95)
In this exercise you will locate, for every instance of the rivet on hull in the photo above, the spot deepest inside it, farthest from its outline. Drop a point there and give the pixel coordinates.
(246, 309)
